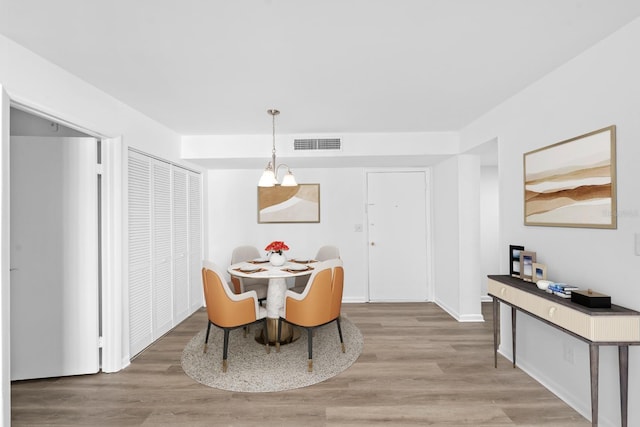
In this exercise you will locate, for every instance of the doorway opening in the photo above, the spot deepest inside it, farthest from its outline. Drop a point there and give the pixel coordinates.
(56, 253)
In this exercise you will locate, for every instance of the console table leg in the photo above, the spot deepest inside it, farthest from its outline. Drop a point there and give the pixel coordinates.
(594, 356)
(623, 366)
(513, 334)
(496, 320)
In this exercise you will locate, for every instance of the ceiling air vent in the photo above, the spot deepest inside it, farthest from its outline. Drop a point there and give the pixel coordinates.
(317, 144)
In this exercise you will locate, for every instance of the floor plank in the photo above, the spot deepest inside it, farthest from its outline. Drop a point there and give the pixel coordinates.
(418, 367)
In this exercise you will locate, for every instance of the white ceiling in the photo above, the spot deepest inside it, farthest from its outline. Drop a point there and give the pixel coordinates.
(205, 67)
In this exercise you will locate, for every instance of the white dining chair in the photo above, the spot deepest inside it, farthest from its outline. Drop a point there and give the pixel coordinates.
(325, 253)
(240, 284)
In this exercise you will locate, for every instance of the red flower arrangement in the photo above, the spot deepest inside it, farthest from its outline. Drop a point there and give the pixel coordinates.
(277, 247)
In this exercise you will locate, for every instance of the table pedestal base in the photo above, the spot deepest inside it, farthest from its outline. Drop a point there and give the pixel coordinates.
(289, 333)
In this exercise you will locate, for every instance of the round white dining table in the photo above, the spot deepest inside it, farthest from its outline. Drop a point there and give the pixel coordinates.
(277, 287)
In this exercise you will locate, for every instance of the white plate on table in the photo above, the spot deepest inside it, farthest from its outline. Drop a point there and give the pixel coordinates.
(297, 267)
(261, 260)
(249, 268)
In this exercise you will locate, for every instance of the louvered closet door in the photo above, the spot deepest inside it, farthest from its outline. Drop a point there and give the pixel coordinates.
(162, 275)
(165, 284)
(140, 267)
(195, 242)
(180, 244)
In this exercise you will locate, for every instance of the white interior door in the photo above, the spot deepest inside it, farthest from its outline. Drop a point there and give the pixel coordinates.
(54, 257)
(397, 231)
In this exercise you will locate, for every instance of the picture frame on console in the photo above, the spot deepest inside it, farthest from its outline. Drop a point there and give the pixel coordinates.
(539, 271)
(527, 259)
(514, 260)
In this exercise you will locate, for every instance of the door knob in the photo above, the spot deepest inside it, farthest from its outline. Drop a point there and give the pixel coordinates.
(373, 243)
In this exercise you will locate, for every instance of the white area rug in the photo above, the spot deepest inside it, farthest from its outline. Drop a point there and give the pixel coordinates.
(251, 369)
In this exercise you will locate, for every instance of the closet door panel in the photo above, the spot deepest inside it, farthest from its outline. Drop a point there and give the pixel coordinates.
(162, 274)
(140, 267)
(196, 299)
(180, 244)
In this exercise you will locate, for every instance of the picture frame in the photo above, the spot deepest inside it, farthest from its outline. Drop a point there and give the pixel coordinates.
(299, 204)
(514, 260)
(572, 183)
(539, 271)
(527, 259)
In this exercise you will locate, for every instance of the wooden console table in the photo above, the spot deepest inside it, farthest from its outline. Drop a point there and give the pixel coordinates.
(617, 326)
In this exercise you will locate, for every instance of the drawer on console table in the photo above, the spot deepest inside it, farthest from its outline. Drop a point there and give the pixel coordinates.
(504, 292)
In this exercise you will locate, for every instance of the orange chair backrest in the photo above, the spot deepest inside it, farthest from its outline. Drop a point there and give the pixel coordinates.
(337, 286)
(315, 308)
(221, 309)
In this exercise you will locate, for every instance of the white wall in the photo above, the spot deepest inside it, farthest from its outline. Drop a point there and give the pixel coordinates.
(490, 248)
(33, 82)
(469, 244)
(362, 144)
(25, 124)
(232, 219)
(596, 89)
(456, 213)
(43, 86)
(446, 235)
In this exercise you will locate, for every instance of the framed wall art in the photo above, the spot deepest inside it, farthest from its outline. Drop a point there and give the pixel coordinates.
(539, 271)
(514, 260)
(572, 183)
(280, 204)
(527, 259)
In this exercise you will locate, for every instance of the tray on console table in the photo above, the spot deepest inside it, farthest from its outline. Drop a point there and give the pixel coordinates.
(617, 326)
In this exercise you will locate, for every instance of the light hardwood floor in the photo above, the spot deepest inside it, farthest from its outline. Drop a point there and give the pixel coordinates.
(418, 367)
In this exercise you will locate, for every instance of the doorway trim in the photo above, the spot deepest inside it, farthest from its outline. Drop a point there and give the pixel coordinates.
(5, 281)
(111, 296)
(112, 257)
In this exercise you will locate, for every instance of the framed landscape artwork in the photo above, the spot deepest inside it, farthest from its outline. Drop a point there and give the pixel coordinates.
(289, 204)
(572, 183)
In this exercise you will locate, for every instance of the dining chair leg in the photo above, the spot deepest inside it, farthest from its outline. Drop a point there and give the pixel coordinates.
(266, 334)
(206, 337)
(279, 335)
(310, 346)
(225, 347)
(340, 333)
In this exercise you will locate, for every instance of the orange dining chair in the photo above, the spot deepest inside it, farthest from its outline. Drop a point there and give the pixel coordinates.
(324, 253)
(319, 304)
(244, 284)
(227, 310)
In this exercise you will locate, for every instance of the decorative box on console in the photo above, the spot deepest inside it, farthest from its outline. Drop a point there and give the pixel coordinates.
(591, 299)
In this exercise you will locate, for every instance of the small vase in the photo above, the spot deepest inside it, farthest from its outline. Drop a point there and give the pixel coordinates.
(277, 259)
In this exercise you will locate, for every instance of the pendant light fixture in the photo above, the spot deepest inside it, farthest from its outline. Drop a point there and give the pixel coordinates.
(269, 177)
